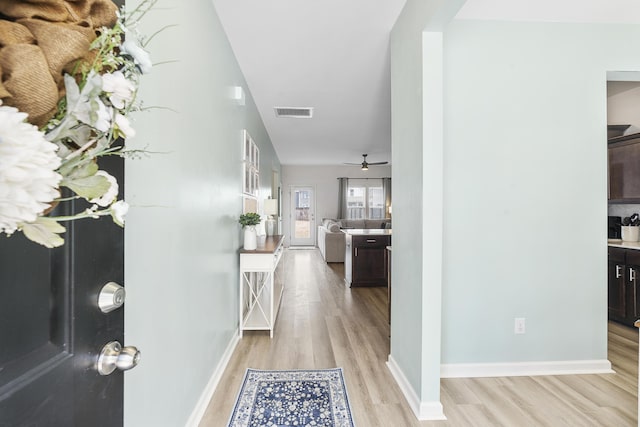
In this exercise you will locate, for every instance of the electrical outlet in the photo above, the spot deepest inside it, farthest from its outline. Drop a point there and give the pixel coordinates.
(519, 325)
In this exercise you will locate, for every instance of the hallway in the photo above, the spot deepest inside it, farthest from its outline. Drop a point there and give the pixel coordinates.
(323, 324)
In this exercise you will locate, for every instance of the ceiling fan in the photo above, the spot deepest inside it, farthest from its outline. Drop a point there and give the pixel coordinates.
(365, 165)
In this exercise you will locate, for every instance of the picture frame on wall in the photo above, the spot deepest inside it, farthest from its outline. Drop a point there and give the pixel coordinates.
(247, 181)
(251, 160)
(249, 204)
(255, 184)
(246, 146)
(255, 156)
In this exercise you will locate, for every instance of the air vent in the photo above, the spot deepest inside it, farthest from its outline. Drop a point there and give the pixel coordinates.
(299, 113)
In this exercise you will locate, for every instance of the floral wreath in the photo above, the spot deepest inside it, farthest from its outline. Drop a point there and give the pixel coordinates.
(44, 149)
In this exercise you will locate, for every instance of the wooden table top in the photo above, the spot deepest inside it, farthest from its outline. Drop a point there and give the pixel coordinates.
(266, 245)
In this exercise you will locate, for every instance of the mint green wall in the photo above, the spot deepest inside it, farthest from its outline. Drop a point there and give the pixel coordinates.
(406, 152)
(417, 150)
(523, 170)
(182, 236)
(525, 188)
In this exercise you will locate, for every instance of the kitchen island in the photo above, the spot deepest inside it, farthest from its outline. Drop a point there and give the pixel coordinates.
(619, 243)
(365, 256)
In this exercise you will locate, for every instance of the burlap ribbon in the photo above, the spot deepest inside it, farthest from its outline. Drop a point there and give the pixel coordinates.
(40, 41)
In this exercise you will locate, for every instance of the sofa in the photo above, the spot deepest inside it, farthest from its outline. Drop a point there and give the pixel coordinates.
(331, 239)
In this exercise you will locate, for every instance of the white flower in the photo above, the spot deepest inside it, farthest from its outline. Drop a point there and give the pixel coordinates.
(101, 117)
(28, 177)
(34, 165)
(119, 89)
(107, 198)
(140, 56)
(118, 210)
(124, 127)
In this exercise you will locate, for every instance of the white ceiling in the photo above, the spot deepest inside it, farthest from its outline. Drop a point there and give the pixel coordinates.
(594, 11)
(333, 55)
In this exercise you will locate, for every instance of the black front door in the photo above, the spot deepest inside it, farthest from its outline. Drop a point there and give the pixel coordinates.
(52, 330)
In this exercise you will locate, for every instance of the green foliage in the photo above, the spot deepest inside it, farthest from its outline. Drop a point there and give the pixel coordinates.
(44, 231)
(250, 218)
(90, 187)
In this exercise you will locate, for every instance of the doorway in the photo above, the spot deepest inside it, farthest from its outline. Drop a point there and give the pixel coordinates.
(302, 215)
(623, 98)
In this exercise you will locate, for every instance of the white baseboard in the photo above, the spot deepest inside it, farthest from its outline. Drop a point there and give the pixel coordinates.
(434, 410)
(207, 393)
(519, 369)
(422, 410)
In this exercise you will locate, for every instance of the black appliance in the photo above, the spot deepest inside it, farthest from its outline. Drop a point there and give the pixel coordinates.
(614, 227)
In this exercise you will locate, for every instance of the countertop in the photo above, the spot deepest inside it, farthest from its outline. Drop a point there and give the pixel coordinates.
(367, 231)
(618, 243)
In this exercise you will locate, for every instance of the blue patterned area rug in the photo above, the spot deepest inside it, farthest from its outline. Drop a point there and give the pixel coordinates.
(292, 398)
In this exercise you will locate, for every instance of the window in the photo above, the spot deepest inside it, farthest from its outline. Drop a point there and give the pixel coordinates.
(365, 199)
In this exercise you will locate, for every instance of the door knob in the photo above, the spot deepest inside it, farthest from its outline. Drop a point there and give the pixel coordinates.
(113, 356)
(111, 297)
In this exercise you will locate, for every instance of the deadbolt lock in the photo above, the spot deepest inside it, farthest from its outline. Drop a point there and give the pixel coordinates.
(111, 297)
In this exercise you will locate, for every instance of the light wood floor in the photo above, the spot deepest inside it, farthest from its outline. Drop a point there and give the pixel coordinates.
(323, 324)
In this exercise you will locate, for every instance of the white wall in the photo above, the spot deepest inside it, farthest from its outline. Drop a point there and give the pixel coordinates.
(182, 236)
(525, 188)
(324, 179)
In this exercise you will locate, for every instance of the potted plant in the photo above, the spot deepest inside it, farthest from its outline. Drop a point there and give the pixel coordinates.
(631, 228)
(249, 221)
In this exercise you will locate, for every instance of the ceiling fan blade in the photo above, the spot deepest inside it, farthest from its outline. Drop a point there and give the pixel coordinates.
(366, 164)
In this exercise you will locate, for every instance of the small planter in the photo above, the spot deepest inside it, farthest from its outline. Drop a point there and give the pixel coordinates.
(630, 233)
(249, 221)
(250, 238)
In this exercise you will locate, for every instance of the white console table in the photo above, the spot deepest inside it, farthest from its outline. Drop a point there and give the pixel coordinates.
(261, 284)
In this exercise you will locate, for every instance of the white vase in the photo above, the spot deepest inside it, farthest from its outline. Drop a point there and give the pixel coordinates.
(630, 233)
(250, 241)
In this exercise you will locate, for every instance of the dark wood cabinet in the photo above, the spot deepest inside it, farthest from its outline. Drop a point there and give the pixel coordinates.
(617, 284)
(633, 291)
(623, 292)
(365, 257)
(624, 169)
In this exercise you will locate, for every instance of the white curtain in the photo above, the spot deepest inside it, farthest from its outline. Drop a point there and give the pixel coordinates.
(343, 185)
(386, 188)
